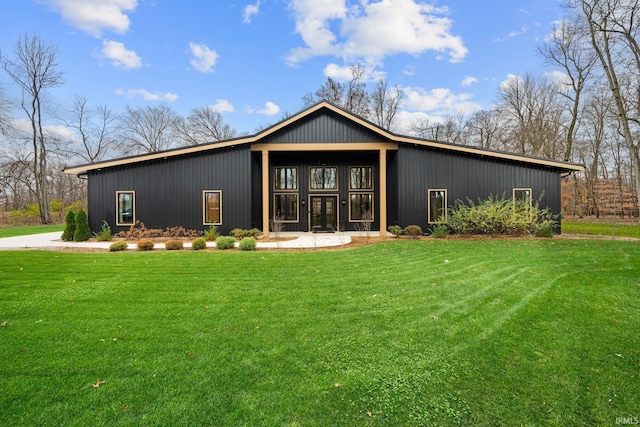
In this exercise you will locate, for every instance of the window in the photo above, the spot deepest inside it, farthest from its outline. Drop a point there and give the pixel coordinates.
(285, 207)
(361, 207)
(361, 178)
(522, 198)
(126, 207)
(212, 206)
(323, 178)
(286, 178)
(437, 206)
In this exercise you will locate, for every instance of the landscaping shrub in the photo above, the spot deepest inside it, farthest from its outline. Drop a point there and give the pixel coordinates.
(544, 229)
(211, 234)
(225, 242)
(413, 231)
(82, 232)
(105, 233)
(396, 230)
(69, 226)
(440, 231)
(145, 245)
(247, 244)
(140, 231)
(499, 216)
(118, 246)
(241, 233)
(199, 243)
(173, 245)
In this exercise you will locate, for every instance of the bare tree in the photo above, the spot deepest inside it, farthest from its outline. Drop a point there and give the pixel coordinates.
(203, 125)
(532, 114)
(385, 103)
(613, 27)
(568, 48)
(35, 69)
(351, 95)
(5, 111)
(95, 127)
(483, 129)
(147, 129)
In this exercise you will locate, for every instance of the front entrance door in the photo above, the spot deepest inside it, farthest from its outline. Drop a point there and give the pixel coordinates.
(324, 213)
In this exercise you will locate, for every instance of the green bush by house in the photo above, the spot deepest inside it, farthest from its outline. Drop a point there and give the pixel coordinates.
(82, 231)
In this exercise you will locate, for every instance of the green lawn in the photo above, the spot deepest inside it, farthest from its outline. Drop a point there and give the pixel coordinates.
(601, 228)
(34, 229)
(486, 332)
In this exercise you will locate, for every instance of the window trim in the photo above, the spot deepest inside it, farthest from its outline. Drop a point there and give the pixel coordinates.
(275, 179)
(290, 221)
(362, 193)
(362, 188)
(337, 184)
(528, 189)
(444, 205)
(204, 207)
(133, 208)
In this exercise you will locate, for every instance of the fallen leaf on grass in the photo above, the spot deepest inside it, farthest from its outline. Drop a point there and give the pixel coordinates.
(98, 383)
(619, 355)
(435, 317)
(369, 413)
(3, 324)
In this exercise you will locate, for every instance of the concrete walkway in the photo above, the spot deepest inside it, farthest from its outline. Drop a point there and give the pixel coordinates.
(294, 241)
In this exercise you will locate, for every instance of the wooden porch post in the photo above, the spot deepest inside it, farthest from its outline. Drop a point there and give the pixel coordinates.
(383, 192)
(265, 192)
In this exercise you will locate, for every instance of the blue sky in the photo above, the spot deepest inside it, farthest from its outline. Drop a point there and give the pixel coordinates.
(253, 60)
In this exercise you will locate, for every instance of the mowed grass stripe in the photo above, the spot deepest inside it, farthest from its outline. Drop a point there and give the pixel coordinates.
(524, 333)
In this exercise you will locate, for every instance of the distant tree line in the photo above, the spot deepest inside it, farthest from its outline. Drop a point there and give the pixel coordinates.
(586, 109)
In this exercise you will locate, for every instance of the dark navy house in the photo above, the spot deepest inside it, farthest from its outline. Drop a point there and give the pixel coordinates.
(323, 169)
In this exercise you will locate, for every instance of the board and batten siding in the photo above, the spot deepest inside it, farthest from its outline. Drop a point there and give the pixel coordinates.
(464, 176)
(168, 192)
(324, 128)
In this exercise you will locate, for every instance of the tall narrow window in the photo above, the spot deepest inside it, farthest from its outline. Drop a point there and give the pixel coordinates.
(522, 198)
(361, 178)
(323, 178)
(285, 207)
(126, 207)
(212, 206)
(437, 206)
(286, 178)
(361, 207)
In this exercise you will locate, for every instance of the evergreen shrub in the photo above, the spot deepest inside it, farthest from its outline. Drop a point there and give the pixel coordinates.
(225, 242)
(82, 232)
(118, 246)
(69, 226)
(396, 230)
(145, 245)
(198, 244)
(247, 244)
(105, 233)
(173, 245)
(413, 231)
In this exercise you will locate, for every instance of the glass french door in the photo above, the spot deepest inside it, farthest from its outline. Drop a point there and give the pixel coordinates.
(324, 213)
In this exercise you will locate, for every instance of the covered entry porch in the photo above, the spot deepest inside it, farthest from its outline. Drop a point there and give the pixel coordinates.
(323, 187)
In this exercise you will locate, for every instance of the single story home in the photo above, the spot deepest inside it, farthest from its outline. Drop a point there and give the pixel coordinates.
(323, 169)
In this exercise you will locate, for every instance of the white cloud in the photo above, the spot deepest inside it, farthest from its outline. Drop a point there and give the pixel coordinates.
(270, 109)
(439, 101)
(372, 30)
(468, 81)
(249, 11)
(23, 126)
(146, 95)
(222, 106)
(344, 73)
(204, 59)
(96, 16)
(120, 57)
